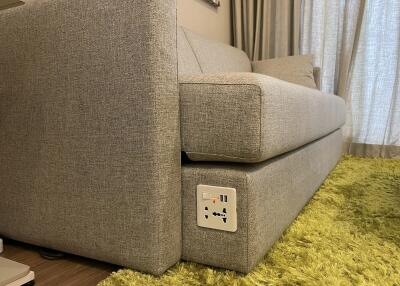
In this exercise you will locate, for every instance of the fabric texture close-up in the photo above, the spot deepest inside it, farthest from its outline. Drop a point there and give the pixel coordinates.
(83, 107)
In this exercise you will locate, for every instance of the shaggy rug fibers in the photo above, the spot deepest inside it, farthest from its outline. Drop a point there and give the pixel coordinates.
(349, 234)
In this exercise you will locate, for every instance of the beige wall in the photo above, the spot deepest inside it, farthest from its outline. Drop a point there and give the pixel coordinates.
(204, 19)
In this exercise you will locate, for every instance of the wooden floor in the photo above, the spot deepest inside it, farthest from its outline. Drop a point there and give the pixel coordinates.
(68, 271)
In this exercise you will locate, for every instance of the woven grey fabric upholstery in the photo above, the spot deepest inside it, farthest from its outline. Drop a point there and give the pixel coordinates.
(214, 56)
(295, 69)
(89, 129)
(248, 117)
(269, 197)
(187, 61)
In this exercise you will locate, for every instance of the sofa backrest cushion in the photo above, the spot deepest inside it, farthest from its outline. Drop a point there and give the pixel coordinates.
(295, 69)
(187, 61)
(210, 56)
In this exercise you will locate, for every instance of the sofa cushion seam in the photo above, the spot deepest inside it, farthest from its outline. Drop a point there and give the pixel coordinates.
(223, 84)
(218, 155)
(248, 212)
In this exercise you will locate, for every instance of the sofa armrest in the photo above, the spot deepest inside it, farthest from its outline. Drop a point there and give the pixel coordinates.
(89, 129)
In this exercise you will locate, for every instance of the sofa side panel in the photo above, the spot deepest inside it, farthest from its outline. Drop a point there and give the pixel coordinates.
(270, 195)
(89, 129)
(283, 186)
(210, 246)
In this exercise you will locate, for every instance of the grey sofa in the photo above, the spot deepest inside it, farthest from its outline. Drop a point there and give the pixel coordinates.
(97, 101)
(273, 141)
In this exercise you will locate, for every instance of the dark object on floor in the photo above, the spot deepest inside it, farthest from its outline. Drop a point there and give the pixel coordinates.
(50, 254)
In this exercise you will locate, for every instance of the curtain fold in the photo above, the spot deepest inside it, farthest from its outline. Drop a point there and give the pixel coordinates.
(330, 31)
(267, 28)
(375, 83)
(357, 45)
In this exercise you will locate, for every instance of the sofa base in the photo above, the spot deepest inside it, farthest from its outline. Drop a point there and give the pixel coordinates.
(270, 195)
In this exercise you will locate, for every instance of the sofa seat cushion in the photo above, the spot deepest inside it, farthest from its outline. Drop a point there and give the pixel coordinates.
(249, 117)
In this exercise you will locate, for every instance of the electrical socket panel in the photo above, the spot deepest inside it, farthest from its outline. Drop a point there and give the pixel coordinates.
(216, 208)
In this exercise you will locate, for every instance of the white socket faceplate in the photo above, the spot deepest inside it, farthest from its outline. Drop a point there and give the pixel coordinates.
(216, 207)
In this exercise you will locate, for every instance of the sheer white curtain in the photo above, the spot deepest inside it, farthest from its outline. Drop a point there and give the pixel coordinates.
(375, 87)
(357, 45)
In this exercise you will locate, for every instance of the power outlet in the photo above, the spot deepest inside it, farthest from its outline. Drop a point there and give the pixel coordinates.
(216, 208)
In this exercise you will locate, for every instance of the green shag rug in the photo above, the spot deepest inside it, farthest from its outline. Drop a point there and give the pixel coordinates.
(349, 234)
